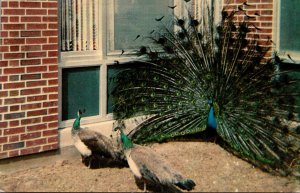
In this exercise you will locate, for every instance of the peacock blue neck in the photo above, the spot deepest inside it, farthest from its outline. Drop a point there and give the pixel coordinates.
(76, 124)
(127, 143)
(211, 120)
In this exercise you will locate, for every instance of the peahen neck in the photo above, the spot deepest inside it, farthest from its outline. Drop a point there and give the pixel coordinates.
(211, 120)
(127, 143)
(76, 124)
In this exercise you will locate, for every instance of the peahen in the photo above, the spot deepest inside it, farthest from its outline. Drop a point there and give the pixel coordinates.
(216, 77)
(94, 146)
(149, 166)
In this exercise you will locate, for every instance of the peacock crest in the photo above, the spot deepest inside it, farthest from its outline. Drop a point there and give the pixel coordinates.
(196, 61)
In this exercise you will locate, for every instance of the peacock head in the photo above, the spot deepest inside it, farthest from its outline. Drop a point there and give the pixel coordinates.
(126, 142)
(76, 124)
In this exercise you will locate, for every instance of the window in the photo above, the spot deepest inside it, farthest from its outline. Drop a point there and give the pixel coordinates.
(92, 36)
(288, 27)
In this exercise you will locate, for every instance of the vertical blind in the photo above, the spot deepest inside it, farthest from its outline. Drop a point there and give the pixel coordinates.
(79, 25)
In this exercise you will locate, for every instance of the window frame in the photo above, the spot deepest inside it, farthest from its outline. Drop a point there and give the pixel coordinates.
(101, 57)
(276, 35)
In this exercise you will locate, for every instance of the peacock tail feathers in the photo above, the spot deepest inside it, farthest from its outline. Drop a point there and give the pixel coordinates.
(197, 65)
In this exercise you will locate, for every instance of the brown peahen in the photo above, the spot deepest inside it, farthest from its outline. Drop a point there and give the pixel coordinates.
(202, 76)
(95, 147)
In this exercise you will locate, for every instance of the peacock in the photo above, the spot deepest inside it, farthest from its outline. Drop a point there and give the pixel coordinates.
(94, 146)
(200, 76)
(152, 168)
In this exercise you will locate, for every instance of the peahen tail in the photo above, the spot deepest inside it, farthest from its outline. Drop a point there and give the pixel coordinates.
(215, 77)
(186, 184)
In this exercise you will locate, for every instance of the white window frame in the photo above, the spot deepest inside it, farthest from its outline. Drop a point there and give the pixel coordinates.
(276, 35)
(102, 58)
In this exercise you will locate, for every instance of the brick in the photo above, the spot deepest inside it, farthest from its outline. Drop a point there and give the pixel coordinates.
(14, 93)
(38, 127)
(52, 53)
(14, 123)
(30, 4)
(50, 19)
(36, 55)
(37, 98)
(36, 12)
(36, 142)
(13, 4)
(50, 118)
(36, 69)
(36, 26)
(31, 91)
(3, 93)
(13, 11)
(14, 153)
(30, 76)
(14, 85)
(4, 48)
(31, 19)
(36, 40)
(50, 147)
(31, 136)
(50, 89)
(14, 55)
(3, 78)
(30, 33)
(52, 139)
(14, 41)
(49, 4)
(38, 83)
(3, 63)
(14, 63)
(3, 140)
(50, 47)
(53, 82)
(31, 106)
(30, 62)
(14, 108)
(50, 104)
(14, 48)
(50, 75)
(14, 34)
(3, 109)
(14, 115)
(50, 61)
(37, 113)
(30, 150)
(30, 121)
(11, 146)
(14, 19)
(52, 12)
(14, 138)
(31, 47)
(14, 26)
(50, 132)
(3, 155)
(14, 100)
(12, 131)
(53, 125)
(14, 70)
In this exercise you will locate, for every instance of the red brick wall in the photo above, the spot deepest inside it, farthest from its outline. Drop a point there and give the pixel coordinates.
(265, 9)
(28, 77)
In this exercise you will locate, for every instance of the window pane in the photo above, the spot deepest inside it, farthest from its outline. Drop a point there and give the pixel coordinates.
(80, 89)
(290, 25)
(137, 17)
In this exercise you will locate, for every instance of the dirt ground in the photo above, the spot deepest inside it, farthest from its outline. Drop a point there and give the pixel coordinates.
(211, 167)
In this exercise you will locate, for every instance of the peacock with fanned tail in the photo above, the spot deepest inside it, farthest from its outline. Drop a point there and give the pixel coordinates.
(213, 77)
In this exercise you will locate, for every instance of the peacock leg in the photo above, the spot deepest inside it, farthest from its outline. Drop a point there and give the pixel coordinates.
(145, 186)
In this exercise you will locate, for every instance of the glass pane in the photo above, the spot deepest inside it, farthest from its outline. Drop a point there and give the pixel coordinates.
(290, 25)
(80, 90)
(137, 17)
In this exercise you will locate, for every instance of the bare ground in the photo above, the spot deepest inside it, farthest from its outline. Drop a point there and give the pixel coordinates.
(210, 166)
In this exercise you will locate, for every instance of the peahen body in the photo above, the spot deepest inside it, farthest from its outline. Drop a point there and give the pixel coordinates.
(95, 146)
(149, 166)
(214, 77)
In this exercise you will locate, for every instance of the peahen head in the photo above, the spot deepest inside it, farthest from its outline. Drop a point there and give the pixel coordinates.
(126, 142)
(76, 124)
